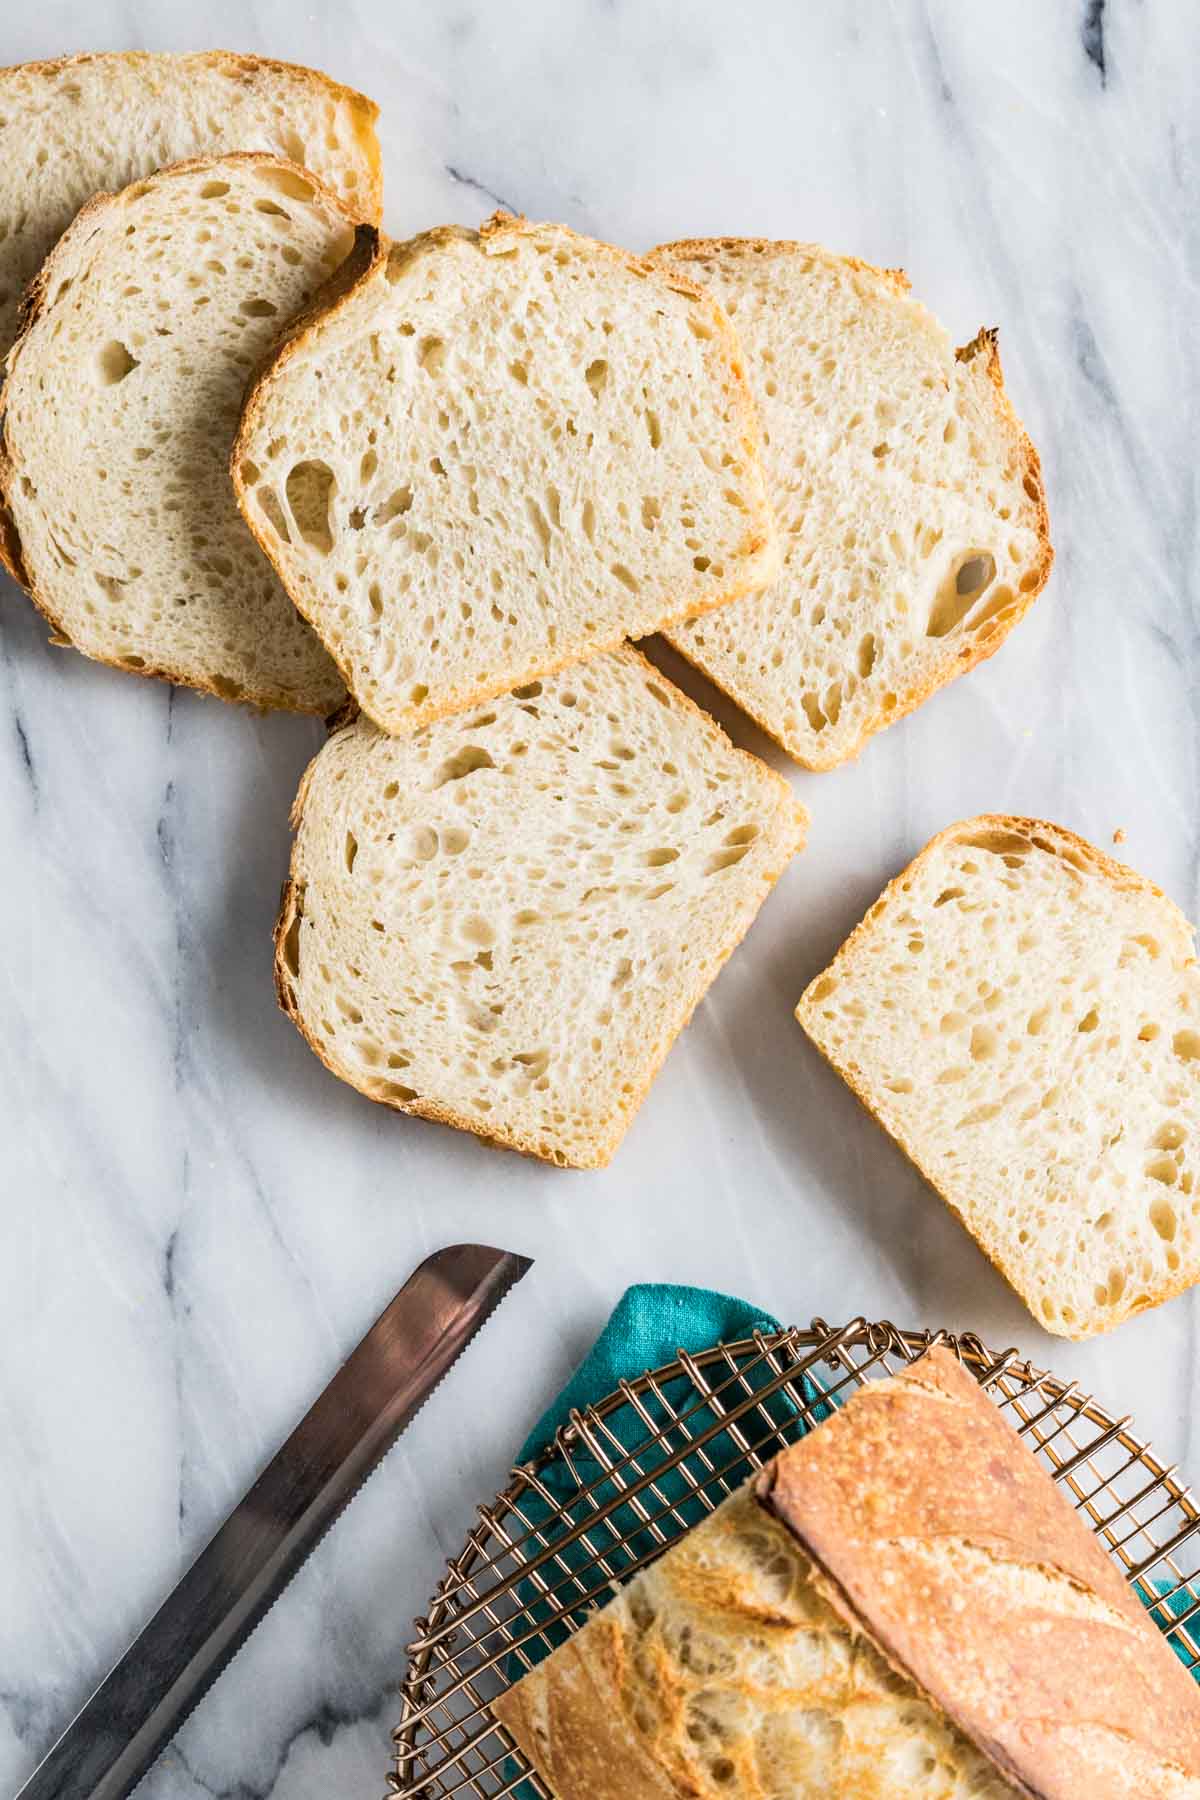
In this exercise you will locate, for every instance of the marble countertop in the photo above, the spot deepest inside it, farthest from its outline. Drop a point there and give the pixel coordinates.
(199, 1221)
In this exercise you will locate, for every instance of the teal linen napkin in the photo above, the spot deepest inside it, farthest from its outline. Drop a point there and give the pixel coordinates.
(650, 1325)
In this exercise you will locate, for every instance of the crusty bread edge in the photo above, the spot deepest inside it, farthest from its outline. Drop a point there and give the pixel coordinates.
(581, 1695)
(843, 1606)
(364, 110)
(1120, 875)
(1077, 1557)
(759, 550)
(32, 304)
(973, 650)
(291, 908)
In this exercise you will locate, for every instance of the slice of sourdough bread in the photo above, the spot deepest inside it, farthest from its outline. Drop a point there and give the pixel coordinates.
(504, 920)
(502, 452)
(1022, 1014)
(121, 403)
(909, 499)
(89, 124)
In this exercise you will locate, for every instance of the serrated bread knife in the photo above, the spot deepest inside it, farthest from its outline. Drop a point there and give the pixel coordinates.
(233, 1582)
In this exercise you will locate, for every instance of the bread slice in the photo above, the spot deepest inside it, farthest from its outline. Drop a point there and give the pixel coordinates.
(120, 406)
(84, 125)
(502, 452)
(504, 920)
(1022, 1014)
(902, 1605)
(909, 498)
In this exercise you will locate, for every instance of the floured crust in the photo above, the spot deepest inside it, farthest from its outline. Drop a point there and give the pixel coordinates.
(1104, 867)
(603, 1144)
(1071, 1654)
(96, 214)
(757, 553)
(975, 648)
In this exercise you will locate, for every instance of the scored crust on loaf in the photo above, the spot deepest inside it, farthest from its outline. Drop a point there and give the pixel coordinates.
(909, 499)
(900, 1605)
(503, 921)
(974, 1574)
(1022, 1014)
(120, 405)
(84, 125)
(502, 452)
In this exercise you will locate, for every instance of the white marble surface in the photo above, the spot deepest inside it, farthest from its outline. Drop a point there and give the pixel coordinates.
(198, 1220)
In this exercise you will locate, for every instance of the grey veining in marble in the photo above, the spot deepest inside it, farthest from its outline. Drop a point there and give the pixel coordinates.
(198, 1220)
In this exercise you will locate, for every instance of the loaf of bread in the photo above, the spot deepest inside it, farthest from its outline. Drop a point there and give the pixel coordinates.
(909, 498)
(1022, 1014)
(120, 406)
(503, 452)
(902, 1606)
(85, 125)
(503, 921)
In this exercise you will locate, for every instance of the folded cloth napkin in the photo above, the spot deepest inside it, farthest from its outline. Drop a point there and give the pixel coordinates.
(650, 1325)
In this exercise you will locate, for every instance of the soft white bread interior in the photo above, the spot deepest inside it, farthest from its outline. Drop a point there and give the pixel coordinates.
(1022, 1014)
(502, 452)
(119, 410)
(504, 920)
(909, 498)
(84, 125)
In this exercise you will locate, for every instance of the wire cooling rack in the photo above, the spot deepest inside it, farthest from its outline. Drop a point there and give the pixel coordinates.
(625, 1477)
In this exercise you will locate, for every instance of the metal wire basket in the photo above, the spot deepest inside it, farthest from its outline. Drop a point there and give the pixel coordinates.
(575, 1524)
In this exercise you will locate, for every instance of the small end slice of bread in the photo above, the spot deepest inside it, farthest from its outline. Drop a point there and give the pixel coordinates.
(120, 406)
(908, 496)
(85, 125)
(503, 921)
(503, 452)
(1022, 1014)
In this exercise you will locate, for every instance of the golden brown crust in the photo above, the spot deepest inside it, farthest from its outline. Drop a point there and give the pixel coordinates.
(32, 305)
(760, 537)
(980, 645)
(884, 1495)
(291, 909)
(241, 64)
(591, 1753)
(10, 537)
(1106, 867)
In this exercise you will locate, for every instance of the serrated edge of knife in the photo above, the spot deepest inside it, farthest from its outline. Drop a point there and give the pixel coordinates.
(219, 1668)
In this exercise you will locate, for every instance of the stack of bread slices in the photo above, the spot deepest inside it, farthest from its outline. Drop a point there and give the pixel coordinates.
(435, 490)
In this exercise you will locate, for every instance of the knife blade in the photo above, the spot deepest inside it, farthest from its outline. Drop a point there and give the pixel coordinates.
(244, 1568)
